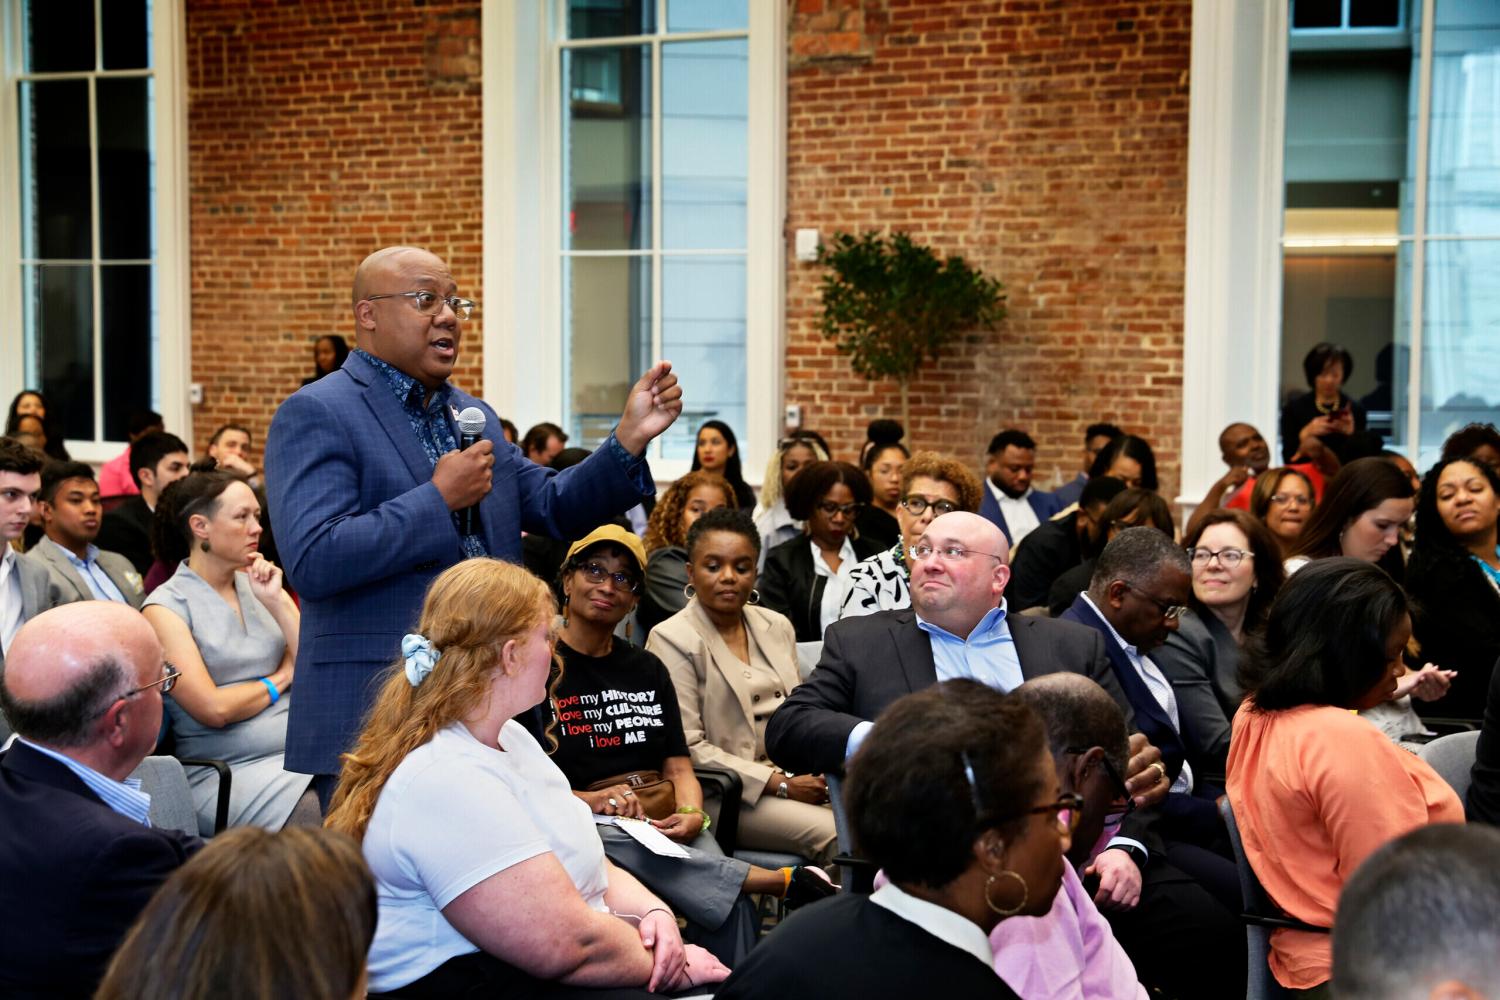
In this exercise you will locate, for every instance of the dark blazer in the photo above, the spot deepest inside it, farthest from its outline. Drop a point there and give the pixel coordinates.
(870, 661)
(1483, 801)
(850, 947)
(127, 530)
(1456, 619)
(1299, 412)
(790, 585)
(1045, 505)
(74, 875)
(1043, 556)
(363, 531)
(1202, 661)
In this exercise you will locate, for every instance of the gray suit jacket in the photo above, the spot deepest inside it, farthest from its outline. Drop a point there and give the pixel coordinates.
(1201, 660)
(40, 589)
(869, 662)
(115, 566)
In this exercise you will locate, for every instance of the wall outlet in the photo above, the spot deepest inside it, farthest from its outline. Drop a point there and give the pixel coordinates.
(195, 393)
(793, 417)
(807, 244)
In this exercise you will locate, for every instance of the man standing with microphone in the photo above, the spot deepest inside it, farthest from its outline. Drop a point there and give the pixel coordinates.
(371, 490)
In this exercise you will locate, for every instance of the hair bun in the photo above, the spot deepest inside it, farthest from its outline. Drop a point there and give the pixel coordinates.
(883, 432)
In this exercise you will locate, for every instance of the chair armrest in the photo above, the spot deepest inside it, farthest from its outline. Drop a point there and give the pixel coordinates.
(728, 787)
(1285, 923)
(221, 809)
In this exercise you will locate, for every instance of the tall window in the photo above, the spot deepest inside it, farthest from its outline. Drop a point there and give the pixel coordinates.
(655, 164)
(82, 89)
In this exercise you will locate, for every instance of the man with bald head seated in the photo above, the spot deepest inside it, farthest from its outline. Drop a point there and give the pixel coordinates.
(79, 859)
(1245, 452)
(367, 485)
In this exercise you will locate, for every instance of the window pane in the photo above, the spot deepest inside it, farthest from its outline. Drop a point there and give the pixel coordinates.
(55, 169)
(707, 15)
(703, 333)
(58, 35)
(607, 148)
(57, 315)
(1464, 156)
(610, 18)
(127, 210)
(127, 309)
(607, 316)
(705, 160)
(1374, 13)
(126, 33)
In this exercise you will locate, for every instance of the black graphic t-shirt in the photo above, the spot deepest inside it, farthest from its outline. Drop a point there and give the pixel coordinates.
(615, 713)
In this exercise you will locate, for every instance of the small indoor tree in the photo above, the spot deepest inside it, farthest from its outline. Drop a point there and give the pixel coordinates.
(892, 305)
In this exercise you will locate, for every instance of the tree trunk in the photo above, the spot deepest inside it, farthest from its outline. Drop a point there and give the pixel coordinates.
(905, 407)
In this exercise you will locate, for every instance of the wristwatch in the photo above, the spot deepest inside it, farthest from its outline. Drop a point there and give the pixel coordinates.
(781, 792)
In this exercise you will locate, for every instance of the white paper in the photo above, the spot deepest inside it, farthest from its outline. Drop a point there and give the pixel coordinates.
(646, 835)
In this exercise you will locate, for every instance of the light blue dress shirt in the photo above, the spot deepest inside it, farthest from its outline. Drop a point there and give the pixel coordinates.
(124, 797)
(98, 581)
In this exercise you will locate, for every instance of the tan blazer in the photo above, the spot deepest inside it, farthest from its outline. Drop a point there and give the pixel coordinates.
(119, 570)
(713, 691)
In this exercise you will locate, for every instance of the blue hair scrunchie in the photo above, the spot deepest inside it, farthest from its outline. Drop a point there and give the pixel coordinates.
(420, 656)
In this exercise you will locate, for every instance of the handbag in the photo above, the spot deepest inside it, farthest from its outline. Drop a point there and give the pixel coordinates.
(657, 794)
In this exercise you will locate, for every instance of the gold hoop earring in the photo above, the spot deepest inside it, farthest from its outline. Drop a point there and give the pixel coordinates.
(1025, 893)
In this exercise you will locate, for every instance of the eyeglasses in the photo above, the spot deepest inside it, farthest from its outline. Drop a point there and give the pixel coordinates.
(594, 573)
(1115, 778)
(1068, 809)
(167, 682)
(847, 509)
(923, 550)
(430, 303)
(1291, 500)
(1169, 612)
(1228, 558)
(917, 505)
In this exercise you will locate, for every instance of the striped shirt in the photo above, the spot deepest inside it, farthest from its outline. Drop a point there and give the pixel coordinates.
(124, 797)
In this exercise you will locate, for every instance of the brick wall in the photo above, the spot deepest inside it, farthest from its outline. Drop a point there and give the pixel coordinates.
(1046, 141)
(320, 131)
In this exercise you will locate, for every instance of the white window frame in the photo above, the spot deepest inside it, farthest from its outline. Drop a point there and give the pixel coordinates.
(523, 335)
(173, 283)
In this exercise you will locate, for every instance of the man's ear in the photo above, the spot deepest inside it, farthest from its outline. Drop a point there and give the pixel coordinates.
(46, 510)
(364, 315)
(1083, 764)
(1453, 989)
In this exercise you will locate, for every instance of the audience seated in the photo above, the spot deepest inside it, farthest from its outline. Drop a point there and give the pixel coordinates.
(793, 454)
(1436, 890)
(1360, 516)
(1059, 545)
(1316, 789)
(254, 915)
(1129, 508)
(1095, 437)
(31, 431)
(1236, 575)
(1325, 413)
(114, 476)
(881, 460)
(1283, 500)
(542, 442)
(955, 797)
(681, 504)
(329, 352)
(806, 578)
(71, 511)
(1454, 580)
(1071, 953)
(1482, 441)
(229, 627)
(931, 485)
(1245, 452)
(1010, 501)
(79, 859)
(156, 460)
(717, 451)
(733, 664)
(43, 427)
(620, 729)
(1129, 459)
(490, 877)
(27, 587)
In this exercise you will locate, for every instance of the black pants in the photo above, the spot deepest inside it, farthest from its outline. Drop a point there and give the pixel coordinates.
(1183, 941)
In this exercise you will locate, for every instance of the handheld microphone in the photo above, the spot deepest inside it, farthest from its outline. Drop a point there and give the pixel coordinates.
(470, 428)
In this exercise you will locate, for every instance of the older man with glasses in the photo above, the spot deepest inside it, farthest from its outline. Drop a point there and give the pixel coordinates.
(79, 859)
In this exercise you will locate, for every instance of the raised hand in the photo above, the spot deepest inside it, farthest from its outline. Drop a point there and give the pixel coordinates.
(654, 403)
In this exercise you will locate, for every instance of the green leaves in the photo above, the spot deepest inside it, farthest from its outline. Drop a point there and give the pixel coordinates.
(891, 305)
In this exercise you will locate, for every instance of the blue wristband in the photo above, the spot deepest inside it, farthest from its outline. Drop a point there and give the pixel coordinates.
(275, 694)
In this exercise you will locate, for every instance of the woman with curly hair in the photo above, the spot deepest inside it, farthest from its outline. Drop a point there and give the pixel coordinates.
(682, 503)
(489, 875)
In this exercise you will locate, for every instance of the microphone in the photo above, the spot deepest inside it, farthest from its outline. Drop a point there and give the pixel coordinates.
(470, 428)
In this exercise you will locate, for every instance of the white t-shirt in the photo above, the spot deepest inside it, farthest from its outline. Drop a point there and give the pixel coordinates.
(453, 813)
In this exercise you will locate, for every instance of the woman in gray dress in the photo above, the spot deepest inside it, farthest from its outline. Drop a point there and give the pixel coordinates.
(226, 623)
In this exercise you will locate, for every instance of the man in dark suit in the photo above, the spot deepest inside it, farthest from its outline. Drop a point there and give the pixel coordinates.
(1010, 502)
(1059, 545)
(156, 460)
(79, 859)
(366, 484)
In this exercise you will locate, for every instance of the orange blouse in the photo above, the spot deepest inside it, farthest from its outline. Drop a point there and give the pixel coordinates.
(1315, 791)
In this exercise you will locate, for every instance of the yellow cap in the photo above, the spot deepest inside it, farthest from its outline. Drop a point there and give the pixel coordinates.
(622, 537)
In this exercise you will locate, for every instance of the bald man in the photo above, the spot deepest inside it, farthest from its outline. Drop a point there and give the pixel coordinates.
(366, 485)
(82, 688)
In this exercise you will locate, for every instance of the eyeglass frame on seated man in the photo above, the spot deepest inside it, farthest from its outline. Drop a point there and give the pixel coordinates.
(1169, 612)
(167, 680)
(1116, 778)
(462, 308)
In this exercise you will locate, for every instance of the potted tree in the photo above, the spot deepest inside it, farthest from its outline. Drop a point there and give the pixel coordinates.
(891, 305)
